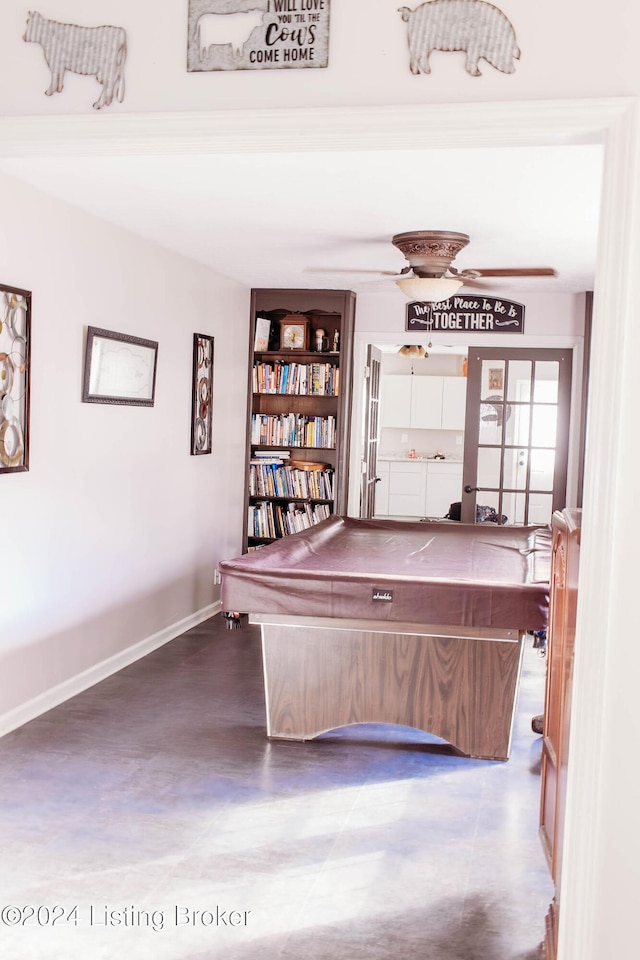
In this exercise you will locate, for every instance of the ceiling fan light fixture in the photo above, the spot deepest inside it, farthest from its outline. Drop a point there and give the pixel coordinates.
(413, 350)
(429, 289)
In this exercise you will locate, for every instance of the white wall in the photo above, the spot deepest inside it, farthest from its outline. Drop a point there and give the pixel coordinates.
(114, 533)
(568, 51)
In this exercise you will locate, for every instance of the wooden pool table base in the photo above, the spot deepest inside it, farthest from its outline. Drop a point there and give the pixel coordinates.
(460, 685)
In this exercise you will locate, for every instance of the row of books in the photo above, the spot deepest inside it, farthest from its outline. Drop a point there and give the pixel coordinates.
(293, 430)
(277, 480)
(273, 520)
(301, 379)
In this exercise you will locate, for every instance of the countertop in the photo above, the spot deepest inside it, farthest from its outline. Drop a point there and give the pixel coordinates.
(398, 458)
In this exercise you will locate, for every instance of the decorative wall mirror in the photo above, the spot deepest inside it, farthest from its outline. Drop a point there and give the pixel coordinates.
(15, 347)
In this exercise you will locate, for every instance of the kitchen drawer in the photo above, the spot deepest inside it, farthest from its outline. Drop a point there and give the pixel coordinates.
(406, 505)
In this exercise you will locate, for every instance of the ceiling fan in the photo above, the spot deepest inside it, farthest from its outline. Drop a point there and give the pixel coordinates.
(430, 254)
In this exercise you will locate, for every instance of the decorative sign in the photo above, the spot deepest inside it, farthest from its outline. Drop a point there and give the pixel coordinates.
(91, 51)
(473, 26)
(466, 314)
(257, 34)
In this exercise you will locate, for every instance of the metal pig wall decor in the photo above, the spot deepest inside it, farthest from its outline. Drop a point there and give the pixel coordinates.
(90, 51)
(257, 34)
(473, 26)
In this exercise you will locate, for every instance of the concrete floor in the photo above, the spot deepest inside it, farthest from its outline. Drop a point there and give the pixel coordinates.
(149, 817)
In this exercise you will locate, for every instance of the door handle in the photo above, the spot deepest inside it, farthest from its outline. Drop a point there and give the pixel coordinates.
(469, 489)
(377, 479)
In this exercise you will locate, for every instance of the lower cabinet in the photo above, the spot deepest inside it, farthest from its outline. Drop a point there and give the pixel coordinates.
(444, 487)
(407, 489)
(410, 488)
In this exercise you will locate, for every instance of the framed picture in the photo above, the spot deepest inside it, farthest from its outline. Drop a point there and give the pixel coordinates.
(496, 378)
(15, 376)
(294, 333)
(119, 368)
(202, 394)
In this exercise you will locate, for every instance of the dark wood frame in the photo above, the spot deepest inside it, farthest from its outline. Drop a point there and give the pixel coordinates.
(127, 399)
(24, 373)
(202, 408)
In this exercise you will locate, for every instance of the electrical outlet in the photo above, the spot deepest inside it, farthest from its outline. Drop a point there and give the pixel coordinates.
(217, 579)
(458, 440)
(404, 438)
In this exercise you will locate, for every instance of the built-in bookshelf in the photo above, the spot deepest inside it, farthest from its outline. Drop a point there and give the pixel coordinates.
(299, 411)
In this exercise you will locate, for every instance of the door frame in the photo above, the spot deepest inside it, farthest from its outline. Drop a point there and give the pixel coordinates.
(472, 426)
(362, 339)
(609, 533)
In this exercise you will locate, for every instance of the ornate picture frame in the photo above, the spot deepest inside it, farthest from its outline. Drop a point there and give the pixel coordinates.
(202, 395)
(119, 368)
(15, 378)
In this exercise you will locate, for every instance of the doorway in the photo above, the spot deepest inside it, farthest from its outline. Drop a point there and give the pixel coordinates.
(516, 434)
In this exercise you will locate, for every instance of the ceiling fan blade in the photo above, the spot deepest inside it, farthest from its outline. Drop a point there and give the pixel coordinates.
(475, 274)
(354, 272)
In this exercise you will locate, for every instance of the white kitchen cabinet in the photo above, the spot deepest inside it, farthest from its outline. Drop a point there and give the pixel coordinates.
(407, 488)
(444, 487)
(382, 489)
(395, 400)
(454, 402)
(417, 488)
(422, 403)
(426, 403)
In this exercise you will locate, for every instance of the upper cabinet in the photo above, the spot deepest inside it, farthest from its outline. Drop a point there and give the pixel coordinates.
(423, 403)
(454, 402)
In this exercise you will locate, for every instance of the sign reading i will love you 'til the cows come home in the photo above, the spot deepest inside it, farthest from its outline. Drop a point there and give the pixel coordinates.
(257, 34)
(466, 314)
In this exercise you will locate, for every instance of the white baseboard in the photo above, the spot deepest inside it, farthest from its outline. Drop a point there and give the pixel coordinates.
(82, 681)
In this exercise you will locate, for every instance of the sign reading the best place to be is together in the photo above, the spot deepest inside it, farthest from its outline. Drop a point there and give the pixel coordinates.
(257, 34)
(466, 314)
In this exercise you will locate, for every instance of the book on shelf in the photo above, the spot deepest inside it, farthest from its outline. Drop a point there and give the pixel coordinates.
(299, 379)
(271, 454)
(272, 521)
(263, 331)
(293, 430)
(275, 479)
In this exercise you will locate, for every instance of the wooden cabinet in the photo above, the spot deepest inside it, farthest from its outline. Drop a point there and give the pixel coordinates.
(299, 410)
(561, 637)
(422, 402)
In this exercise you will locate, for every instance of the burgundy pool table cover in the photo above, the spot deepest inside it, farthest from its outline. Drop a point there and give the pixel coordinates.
(467, 575)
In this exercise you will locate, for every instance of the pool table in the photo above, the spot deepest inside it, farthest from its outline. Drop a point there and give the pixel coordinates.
(418, 624)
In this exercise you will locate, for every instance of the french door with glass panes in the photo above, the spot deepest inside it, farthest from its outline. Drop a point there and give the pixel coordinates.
(516, 434)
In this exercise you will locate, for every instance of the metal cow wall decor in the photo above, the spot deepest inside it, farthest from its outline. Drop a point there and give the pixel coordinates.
(91, 51)
(257, 34)
(473, 26)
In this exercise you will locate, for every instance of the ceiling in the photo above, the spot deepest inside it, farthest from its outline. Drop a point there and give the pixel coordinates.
(301, 219)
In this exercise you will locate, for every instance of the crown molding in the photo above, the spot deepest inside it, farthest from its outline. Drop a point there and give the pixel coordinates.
(411, 127)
